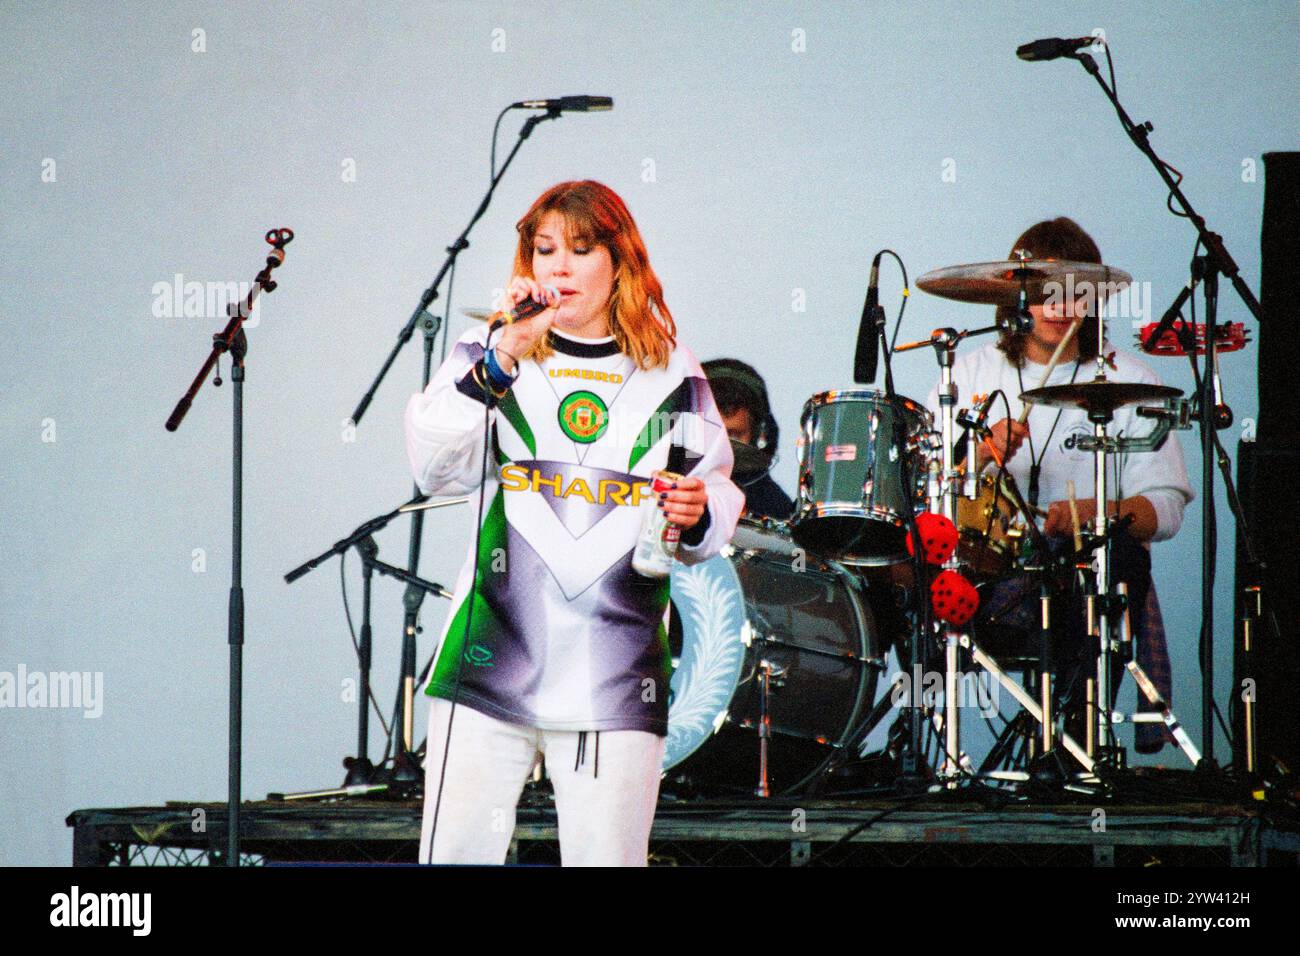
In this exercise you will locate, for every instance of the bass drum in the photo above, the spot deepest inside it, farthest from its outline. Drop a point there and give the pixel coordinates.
(765, 605)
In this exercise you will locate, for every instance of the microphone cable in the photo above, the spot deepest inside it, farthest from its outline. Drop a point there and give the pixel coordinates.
(471, 598)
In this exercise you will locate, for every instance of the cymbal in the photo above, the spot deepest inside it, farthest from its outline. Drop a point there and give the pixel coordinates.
(1099, 395)
(999, 283)
(481, 315)
(748, 461)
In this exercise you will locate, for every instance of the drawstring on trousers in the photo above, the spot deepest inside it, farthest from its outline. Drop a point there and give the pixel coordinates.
(581, 756)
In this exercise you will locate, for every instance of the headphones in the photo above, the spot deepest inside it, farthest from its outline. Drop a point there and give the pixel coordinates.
(732, 371)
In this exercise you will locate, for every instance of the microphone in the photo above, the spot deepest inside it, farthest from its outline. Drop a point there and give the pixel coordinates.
(975, 421)
(1053, 48)
(567, 104)
(867, 355)
(526, 309)
(980, 414)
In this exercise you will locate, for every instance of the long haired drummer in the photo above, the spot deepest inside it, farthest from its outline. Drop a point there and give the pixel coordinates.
(1043, 456)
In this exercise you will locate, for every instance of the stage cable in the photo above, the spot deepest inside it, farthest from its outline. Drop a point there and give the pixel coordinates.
(471, 597)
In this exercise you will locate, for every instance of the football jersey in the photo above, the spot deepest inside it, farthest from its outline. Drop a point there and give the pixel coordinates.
(564, 634)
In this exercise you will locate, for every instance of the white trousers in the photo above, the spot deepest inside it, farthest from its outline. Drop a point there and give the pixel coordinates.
(606, 787)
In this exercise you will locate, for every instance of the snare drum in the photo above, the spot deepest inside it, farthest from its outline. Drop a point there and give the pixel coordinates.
(851, 504)
(764, 607)
(991, 530)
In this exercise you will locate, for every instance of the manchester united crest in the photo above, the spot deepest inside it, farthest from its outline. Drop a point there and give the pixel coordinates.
(583, 416)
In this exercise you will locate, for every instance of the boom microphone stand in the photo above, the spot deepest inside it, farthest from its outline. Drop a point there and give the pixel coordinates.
(1218, 262)
(232, 339)
(362, 777)
(406, 766)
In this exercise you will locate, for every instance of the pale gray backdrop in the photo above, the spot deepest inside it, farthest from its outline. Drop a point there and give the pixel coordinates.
(766, 149)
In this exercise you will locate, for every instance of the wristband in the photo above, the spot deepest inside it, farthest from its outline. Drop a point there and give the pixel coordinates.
(501, 379)
(483, 379)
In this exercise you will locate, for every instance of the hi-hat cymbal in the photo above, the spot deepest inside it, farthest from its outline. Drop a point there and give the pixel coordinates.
(1099, 395)
(1000, 283)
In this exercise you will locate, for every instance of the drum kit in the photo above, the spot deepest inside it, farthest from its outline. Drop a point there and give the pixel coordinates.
(779, 645)
(785, 637)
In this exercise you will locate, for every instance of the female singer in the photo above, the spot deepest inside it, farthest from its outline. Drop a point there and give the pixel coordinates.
(556, 645)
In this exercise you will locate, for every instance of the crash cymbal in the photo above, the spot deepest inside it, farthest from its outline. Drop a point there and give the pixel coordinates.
(999, 283)
(1099, 395)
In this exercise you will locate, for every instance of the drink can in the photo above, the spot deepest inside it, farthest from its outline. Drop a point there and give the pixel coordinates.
(656, 546)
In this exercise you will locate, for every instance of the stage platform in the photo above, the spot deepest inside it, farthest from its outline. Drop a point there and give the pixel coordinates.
(925, 831)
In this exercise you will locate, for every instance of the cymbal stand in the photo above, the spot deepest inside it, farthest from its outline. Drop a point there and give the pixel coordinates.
(1107, 605)
(942, 494)
(946, 351)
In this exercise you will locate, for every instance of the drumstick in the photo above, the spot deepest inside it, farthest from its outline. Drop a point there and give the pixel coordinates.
(1051, 365)
(1074, 517)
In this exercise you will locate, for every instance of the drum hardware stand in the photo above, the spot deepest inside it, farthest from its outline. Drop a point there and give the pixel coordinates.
(943, 500)
(232, 340)
(942, 495)
(1046, 765)
(769, 676)
(1128, 649)
(1027, 702)
(402, 780)
(1107, 606)
(942, 491)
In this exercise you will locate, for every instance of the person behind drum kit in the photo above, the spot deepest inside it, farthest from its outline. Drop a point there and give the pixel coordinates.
(742, 399)
(561, 650)
(1043, 457)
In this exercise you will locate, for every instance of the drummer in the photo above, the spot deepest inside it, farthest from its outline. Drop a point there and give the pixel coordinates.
(1043, 455)
(741, 397)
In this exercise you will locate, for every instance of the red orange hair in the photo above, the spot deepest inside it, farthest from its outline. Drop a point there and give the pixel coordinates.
(594, 214)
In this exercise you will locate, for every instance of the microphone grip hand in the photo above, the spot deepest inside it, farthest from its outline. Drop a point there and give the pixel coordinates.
(519, 338)
(521, 335)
